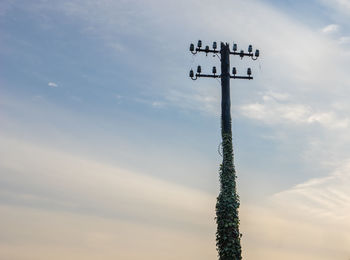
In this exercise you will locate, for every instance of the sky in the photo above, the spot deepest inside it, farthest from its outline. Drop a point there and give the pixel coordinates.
(109, 151)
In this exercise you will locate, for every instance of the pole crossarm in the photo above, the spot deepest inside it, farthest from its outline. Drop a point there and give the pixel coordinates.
(241, 77)
(241, 54)
(219, 76)
(207, 76)
(204, 50)
(228, 52)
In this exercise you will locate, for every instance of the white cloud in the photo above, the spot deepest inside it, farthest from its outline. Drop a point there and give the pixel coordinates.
(344, 40)
(274, 110)
(52, 84)
(331, 28)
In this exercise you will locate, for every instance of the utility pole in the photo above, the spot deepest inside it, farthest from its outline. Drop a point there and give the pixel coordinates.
(228, 237)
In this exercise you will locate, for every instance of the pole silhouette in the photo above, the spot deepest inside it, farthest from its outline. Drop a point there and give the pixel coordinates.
(228, 236)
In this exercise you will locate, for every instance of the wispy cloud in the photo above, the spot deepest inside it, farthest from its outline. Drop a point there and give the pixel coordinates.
(344, 40)
(136, 192)
(52, 84)
(326, 198)
(274, 110)
(331, 28)
(55, 186)
(309, 221)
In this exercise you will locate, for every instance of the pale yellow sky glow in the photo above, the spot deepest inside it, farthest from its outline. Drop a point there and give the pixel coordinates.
(74, 208)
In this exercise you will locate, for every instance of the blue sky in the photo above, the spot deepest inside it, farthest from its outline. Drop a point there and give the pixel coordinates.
(104, 138)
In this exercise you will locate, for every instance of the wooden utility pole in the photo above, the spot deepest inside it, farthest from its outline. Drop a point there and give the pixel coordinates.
(225, 89)
(228, 236)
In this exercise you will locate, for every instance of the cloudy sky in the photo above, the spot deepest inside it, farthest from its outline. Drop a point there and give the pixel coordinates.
(109, 151)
